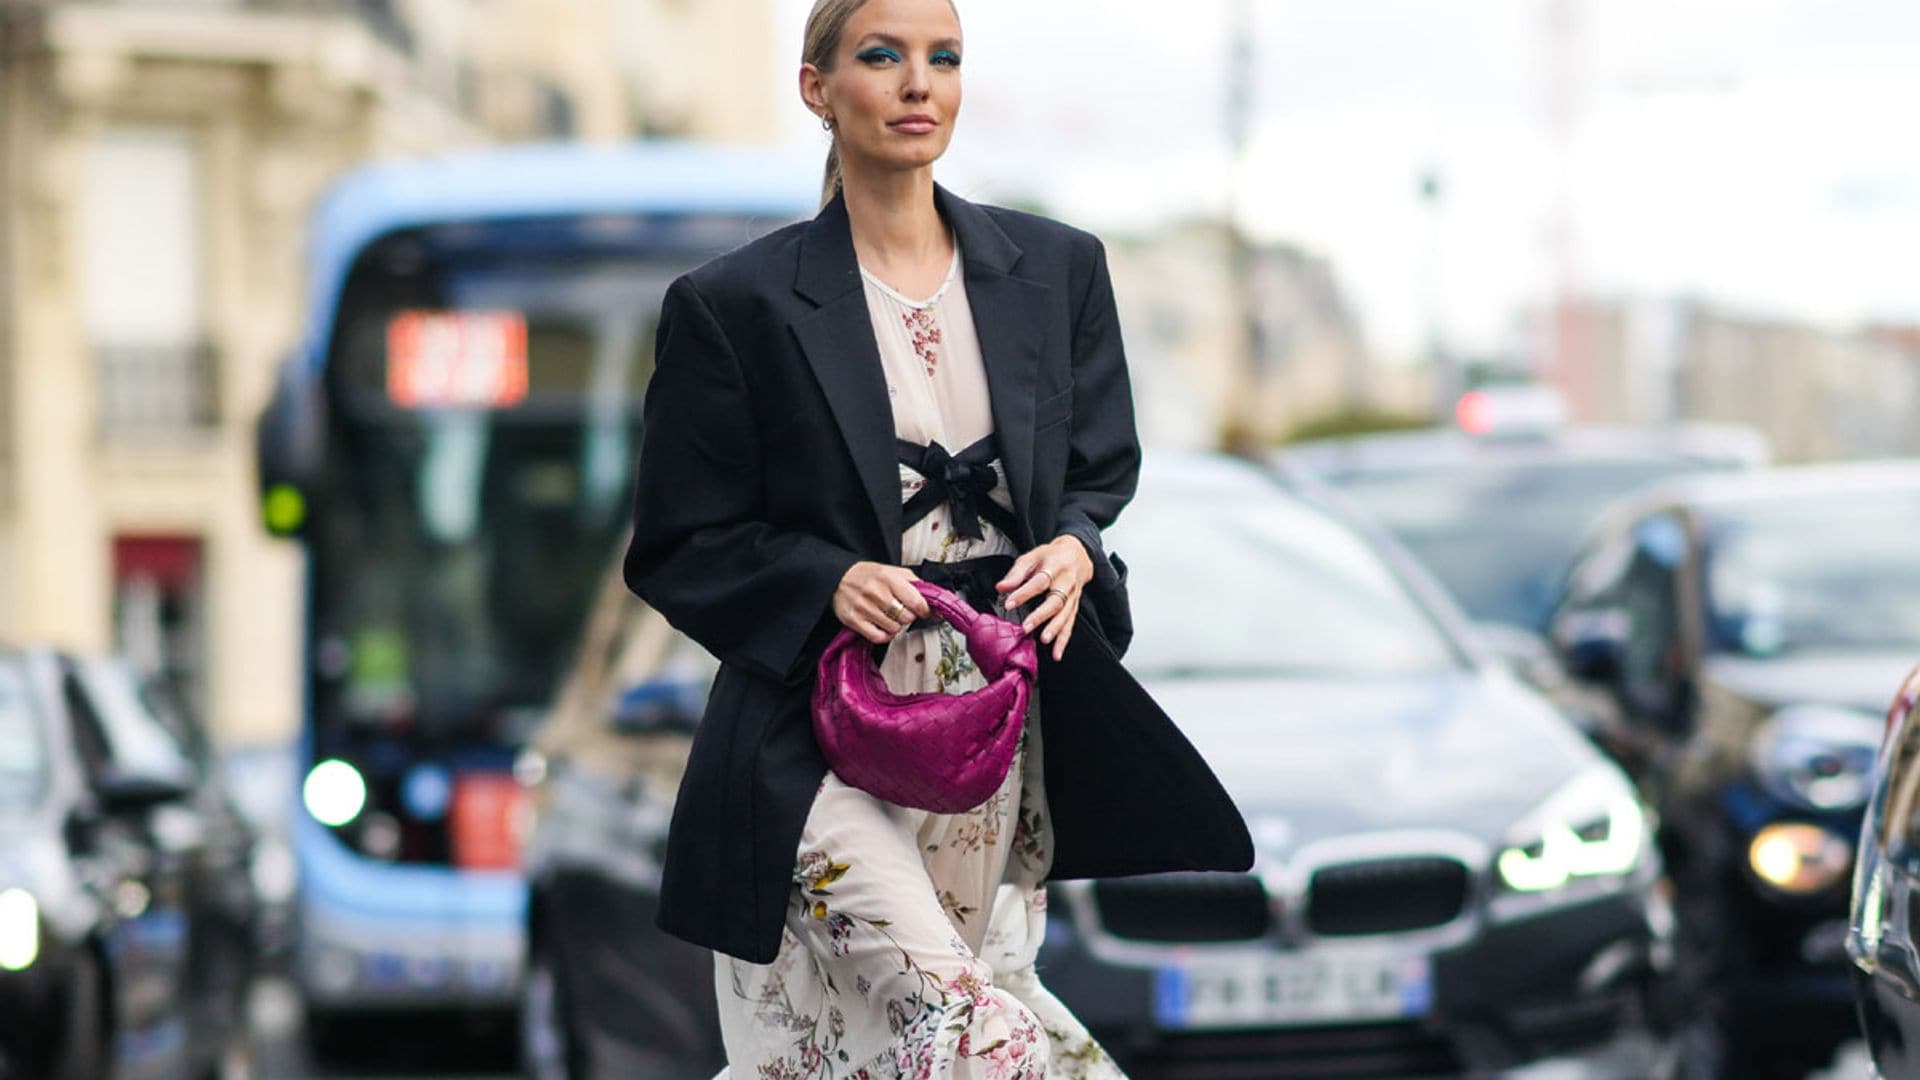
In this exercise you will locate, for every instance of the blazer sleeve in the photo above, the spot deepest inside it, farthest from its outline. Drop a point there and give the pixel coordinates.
(1103, 457)
(702, 553)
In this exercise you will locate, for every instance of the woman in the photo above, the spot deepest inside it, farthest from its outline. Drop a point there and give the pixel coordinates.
(907, 386)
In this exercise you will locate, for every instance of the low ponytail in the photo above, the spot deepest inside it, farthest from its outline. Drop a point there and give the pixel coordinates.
(830, 182)
(826, 23)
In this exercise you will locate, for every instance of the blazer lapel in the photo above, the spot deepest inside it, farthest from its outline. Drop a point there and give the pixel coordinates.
(837, 339)
(1010, 318)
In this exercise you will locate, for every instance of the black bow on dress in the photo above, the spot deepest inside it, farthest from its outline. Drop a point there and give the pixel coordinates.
(963, 481)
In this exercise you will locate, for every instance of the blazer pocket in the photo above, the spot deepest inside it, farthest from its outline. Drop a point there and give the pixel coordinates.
(1053, 410)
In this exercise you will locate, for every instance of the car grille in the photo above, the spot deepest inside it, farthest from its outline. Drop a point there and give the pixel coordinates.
(1361, 1050)
(1184, 907)
(1382, 896)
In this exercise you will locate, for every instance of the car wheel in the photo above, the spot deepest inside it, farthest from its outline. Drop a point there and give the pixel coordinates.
(548, 1050)
(82, 1052)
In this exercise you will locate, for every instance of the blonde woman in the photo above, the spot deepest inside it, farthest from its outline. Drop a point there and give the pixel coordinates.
(910, 385)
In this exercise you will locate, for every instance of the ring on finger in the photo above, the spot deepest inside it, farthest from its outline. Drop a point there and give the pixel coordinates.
(1061, 593)
(893, 613)
(1049, 573)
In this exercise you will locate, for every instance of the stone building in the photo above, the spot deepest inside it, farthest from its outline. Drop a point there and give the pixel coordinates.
(1818, 393)
(1205, 373)
(158, 159)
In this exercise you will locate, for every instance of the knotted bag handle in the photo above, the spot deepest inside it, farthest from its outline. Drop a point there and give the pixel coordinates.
(994, 643)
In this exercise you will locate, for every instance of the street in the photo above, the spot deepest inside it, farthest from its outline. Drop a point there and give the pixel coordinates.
(433, 1052)
(393, 1051)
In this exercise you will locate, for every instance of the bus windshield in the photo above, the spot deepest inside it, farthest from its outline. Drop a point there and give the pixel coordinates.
(484, 408)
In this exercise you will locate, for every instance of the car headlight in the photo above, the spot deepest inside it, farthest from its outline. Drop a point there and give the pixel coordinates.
(1817, 756)
(1798, 859)
(1591, 828)
(19, 930)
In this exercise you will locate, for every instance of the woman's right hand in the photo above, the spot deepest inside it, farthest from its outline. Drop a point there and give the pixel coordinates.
(878, 600)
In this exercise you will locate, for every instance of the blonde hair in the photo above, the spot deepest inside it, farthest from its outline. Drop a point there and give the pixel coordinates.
(826, 25)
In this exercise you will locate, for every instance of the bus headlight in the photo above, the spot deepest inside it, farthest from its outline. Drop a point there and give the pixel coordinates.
(1592, 827)
(19, 930)
(334, 792)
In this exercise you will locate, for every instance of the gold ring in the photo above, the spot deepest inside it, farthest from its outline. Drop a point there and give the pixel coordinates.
(1049, 573)
(893, 613)
(1061, 593)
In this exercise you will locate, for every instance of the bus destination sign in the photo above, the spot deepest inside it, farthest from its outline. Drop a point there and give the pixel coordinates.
(457, 359)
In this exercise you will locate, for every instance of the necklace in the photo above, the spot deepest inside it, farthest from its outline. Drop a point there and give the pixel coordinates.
(953, 273)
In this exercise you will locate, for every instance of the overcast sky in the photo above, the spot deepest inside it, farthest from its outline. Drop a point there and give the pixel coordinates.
(1762, 153)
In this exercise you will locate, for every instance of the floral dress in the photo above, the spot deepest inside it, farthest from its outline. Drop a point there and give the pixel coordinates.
(910, 944)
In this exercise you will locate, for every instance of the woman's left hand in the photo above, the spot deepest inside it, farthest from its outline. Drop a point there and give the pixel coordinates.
(1057, 571)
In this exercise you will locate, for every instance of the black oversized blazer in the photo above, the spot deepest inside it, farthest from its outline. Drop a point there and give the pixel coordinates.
(767, 468)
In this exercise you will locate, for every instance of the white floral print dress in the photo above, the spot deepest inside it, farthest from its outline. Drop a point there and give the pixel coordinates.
(909, 947)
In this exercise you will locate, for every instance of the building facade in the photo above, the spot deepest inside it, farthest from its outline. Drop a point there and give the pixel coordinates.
(159, 159)
(1818, 393)
(1221, 363)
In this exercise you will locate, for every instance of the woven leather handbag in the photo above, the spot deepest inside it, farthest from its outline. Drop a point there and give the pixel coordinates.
(942, 752)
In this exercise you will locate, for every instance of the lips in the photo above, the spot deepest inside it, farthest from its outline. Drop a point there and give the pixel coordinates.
(917, 124)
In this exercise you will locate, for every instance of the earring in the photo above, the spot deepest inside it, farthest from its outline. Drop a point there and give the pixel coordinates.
(826, 121)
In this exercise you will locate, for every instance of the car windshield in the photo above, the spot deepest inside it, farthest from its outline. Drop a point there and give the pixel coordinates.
(1498, 535)
(138, 738)
(1224, 587)
(23, 757)
(1834, 571)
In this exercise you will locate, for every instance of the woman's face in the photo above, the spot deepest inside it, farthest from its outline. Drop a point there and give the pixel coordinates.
(894, 90)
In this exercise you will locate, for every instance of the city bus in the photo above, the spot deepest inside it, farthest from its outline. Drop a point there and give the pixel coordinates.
(452, 444)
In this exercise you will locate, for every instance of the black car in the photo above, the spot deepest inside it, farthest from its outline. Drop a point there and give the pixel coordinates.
(1747, 629)
(606, 994)
(125, 904)
(1883, 937)
(1497, 516)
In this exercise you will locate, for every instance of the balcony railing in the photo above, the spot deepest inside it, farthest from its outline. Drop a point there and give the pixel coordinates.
(158, 389)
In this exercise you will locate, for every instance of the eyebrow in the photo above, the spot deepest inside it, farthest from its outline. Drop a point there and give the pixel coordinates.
(949, 44)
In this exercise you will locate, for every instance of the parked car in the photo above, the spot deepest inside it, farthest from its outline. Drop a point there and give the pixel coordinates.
(124, 898)
(1449, 877)
(1497, 516)
(263, 782)
(1747, 630)
(1883, 938)
(606, 994)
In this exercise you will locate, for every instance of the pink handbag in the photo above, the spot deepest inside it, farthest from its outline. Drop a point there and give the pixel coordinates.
(941, 752)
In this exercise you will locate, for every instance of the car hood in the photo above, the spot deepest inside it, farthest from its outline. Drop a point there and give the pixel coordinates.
(1866, 681)
(1311, 758)
(30, 859)
(14, 862)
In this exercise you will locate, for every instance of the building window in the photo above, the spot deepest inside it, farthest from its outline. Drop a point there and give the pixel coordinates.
(159, 610)
(142, 266)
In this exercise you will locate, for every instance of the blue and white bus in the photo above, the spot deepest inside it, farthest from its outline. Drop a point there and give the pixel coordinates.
(452, 442)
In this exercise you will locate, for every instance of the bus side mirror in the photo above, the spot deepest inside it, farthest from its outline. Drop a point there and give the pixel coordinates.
(289, 446)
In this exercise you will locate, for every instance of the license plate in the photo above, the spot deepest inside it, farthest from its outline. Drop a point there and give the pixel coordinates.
(1324, 986)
